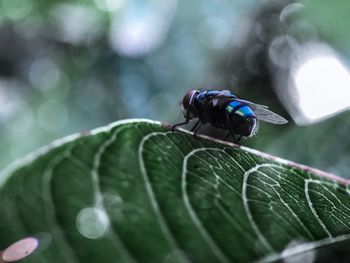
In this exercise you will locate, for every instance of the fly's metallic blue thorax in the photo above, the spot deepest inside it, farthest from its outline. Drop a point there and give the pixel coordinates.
(211, 93)
(239, 108)
(206, 93)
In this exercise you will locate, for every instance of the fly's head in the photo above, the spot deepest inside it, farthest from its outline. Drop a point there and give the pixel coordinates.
(189, 108)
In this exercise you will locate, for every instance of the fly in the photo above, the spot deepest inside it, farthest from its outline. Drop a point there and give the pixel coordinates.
(223, 109)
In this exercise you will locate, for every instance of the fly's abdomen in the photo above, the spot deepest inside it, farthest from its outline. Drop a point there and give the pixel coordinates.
(236, 107)
(242, 119)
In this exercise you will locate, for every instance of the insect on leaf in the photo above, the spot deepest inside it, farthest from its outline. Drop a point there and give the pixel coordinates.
(136, 192)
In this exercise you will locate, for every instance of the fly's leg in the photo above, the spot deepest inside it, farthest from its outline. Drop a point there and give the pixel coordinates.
(230, 130)
(235, 140)
(195, 126)
(238, 139)
(196, 130)
(181, 123)
(227, 136)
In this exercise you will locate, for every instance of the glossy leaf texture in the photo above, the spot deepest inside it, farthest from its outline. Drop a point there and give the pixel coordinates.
(137, 192)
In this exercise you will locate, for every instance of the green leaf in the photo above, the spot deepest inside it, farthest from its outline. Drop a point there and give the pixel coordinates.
(137, 192)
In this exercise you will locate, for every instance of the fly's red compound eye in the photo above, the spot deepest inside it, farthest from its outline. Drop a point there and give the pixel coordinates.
(188, 98)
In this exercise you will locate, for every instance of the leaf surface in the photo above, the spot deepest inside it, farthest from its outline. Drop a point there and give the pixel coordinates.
(137, 192)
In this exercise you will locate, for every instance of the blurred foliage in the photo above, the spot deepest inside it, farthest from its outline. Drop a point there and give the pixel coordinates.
(323, 145)
(70, 66)
(331, 21)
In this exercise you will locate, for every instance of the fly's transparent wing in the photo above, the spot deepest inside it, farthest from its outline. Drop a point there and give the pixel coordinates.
(266, 115)
(263, 113)
(251, 104)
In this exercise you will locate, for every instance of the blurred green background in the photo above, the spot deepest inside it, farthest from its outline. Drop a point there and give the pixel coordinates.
(71, 66)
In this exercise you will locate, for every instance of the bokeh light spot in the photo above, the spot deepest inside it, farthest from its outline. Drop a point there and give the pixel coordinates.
(289, 10)
(140, 31)
(52, 115)
(77, 23)
(281, 50)
(44, 74)
(136, 36)
(9, 101)
(20, 249)
(22, 120)
(321, 82)
(92, 222)
(214, 33)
